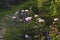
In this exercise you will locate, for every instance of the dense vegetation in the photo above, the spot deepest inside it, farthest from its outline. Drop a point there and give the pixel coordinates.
(47, 10)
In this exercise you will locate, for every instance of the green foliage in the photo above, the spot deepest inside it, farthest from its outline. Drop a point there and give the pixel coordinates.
(47, 7)
(51, 9)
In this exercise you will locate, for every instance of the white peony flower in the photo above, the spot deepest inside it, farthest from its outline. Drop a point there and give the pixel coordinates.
(28, 18)
(41, 20)
(22, 10)
(26, 10)
(14, 17)
(36, 16)
(56, 19)
(26, 36)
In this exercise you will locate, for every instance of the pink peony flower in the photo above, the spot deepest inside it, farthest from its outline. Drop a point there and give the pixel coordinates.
(28, 18)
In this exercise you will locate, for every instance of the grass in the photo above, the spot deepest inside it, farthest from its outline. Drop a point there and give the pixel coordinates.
(14, 8)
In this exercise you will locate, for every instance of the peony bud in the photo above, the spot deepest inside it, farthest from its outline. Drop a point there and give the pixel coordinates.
(22, 10)
(14, 17)
(36, 16)
(26, 36)
(26, 10)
